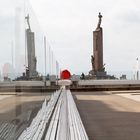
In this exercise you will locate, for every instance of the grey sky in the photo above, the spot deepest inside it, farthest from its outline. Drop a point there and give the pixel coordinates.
(69, 25)
(12, 33)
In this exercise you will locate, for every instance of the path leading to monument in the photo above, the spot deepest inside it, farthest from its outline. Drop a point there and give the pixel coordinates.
(17, 112)
(14, 106)
(132, 96)
(2, 97)
(108, 116)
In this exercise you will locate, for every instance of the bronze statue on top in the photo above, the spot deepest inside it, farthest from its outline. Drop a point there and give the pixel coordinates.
(100, 20)
(28, 21)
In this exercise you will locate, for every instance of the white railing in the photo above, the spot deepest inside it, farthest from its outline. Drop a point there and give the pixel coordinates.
(76, 127)
(53, 127)
(63, 118)
(37, 127)
(66, 123)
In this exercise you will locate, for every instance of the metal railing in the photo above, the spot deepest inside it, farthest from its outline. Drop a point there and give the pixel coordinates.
(76, 127)
(61, 116)
(36, 130)
(66, 123)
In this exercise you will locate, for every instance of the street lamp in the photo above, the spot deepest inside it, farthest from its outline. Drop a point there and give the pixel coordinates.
(137, 69)
(45, 59)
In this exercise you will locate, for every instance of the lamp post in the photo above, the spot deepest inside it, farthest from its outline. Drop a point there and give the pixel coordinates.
(137, 69)
(57, 71)
(45, 59)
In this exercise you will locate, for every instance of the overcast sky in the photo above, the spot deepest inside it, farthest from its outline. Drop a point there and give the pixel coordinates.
(69, 25)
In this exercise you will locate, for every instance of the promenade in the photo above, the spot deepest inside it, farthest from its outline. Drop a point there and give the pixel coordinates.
(17, 112)
(108, 116)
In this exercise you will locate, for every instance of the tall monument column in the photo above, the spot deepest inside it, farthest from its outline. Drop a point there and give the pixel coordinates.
(97, 57)
(30, 37)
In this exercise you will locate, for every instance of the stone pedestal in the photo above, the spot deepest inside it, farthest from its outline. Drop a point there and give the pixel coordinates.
(98, 50)
(31, 53)
(97, 58)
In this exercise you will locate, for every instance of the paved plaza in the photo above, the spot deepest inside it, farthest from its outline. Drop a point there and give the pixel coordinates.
(108, 116)
(2, 97)
(18, 111)
(12, 106)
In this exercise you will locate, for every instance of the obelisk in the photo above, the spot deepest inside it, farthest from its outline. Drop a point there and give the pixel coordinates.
(97, 57)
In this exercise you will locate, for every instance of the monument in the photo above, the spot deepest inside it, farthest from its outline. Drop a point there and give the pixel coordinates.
(98, 68)
(30, 40)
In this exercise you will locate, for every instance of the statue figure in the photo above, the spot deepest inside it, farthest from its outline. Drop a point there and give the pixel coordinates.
(82, 76)
(103, 68)
(28, 22)
(92, 61)
(99, 22)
